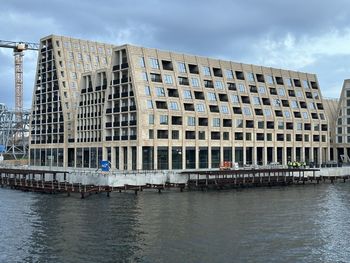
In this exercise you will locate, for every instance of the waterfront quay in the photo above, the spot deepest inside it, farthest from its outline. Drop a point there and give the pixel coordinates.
(60, 182)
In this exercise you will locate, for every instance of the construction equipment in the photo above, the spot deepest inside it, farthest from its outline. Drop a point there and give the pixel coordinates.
(18, 48)
(14, 125)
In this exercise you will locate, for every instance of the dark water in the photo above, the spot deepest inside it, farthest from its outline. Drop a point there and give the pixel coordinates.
(292, 224)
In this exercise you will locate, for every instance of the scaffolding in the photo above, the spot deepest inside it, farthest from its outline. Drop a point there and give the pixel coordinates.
(14, 132)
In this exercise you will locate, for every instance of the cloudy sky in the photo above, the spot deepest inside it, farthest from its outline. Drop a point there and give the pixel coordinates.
(304, 35)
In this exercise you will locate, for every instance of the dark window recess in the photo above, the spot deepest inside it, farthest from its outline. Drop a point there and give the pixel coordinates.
(285, 103)
(162, 134)
(297, 82)
(259, 112)
(289, 125)
(270, 125)
(183, 81)
(245, 99)
(297, 114)
(167, 65)
(215, 135)
(217, 72)
(231, 86)
(260, 78)
(156, 77)
(320, 106)
(278, 113)
(314, 85)
(314, 115)
(239, 75)
(316, 138)
(303, 104)
(237, 110)
(199, 95)
(176, 120)
(307, 126)
(239, 136)
(280, 137)
(189, 106)
(279, 80)
(291, 93)
(203, 121)
(298, 137)
(266, 101)
(214, 108)
(308, 95)
(190, 135)
(253, 89)
(193, 69)
(324, 127)
(249, 124)
(260, 136)
(273, 91)
(161, 105)
(227, 122)
(223, 97)
(173, 93)
(208, 83)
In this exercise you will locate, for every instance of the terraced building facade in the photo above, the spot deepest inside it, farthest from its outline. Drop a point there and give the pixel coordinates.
(151, 109)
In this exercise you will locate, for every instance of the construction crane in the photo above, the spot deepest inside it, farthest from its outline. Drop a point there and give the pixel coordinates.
(18, 48)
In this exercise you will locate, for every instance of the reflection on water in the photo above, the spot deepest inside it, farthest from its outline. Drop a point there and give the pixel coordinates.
(291, 224)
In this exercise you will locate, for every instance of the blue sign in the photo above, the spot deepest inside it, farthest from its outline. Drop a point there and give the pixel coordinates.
(105, 166)
(2, 148)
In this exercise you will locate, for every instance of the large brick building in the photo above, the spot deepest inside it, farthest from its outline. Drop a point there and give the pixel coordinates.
(144, 108)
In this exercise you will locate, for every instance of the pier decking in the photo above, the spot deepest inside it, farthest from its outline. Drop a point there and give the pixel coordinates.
(46, 181)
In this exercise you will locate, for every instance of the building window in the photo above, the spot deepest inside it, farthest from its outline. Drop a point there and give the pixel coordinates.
(206, 71)
(241, 87)
(216, 122)
(144, 76)
(299, 94)
(276, 102)
(147, 91)
(229, 74)
(201, 135)
(287, 114)
(181, 67)
(173, 105)
(294, 104)
(306, 84)
(219, 85)
(256, 101)
(154, 63)
(224, 109)
(150, 134)
(187, 94)
(211, 96)
(239, 123)
(288, 81)
(150, 119)
(280, 125)
(191, 121)
(234, 99)
(267, 112)
(175, 135)
(262, 89)
(195, 82)
(281, 92)
(200, 107)
(160, 92)
(163, 119)
(149, 104)
(312, 106)
(316, 95)
(247, 111)
(168, 79)
(269, 79)
(261, 124)
(226, 136)
(305, 115)
(250, 77)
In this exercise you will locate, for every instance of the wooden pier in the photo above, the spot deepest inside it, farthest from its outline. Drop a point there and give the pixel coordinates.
(222, 179)
(37, 181)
